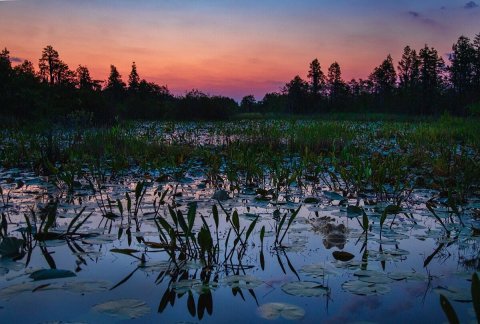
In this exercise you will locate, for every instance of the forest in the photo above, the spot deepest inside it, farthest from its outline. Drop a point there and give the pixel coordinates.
(422, 83)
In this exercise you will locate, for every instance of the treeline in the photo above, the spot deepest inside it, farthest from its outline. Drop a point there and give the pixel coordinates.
(58, 93)
(422, 83)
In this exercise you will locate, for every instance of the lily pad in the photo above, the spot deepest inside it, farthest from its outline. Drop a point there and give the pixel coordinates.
(272, 311)
(342, 255)
(354, 211)
(123, 308)
(457, 294)
(14, 290)
(305, 288)
(318, 270)
(311, 200)
(242, 281)
(333, 196)
(409, 275)
(184, 286)
(365, 288)
(45, 274)
(87, 286)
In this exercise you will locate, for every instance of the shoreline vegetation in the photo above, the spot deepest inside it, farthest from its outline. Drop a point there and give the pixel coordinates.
(421, 84)
(442, 154)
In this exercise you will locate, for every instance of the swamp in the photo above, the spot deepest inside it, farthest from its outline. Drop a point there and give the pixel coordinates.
(242, 221)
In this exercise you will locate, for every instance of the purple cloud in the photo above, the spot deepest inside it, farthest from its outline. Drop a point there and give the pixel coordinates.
(471, 5)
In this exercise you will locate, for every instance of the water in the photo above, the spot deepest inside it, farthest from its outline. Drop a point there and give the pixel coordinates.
(397, 272)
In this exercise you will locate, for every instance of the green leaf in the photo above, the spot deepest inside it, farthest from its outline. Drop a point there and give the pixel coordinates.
(333, 196)
(448, 310)
(250, 228)
(236, 220)
(342, 255)
(124, 251)
(191, 215)
(123, 308)
(182, 223)
(279, 226)
(10, 246)
(205, 239)
(476, 294)
(120, 206)
(272, 311)
(45, 274)
(191, 304)
(215, 215)
(262, 260)
(383, 218)
(75, 219)
(129, 202)
(365, 221)
(392, 209)
(354, 211)
(262, 234)
(173, 215)
(138, 190)
(51, 216)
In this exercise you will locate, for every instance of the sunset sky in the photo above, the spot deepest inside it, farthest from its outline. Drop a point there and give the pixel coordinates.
(231, 47)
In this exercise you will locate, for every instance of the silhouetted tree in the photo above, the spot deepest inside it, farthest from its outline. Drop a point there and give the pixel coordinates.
(462, 68)
(384, 77)
(336, 86)
(115, 85)
(317, 77)
(84, 79)
(297, 95)
(26, 68)
(248, 103)
(133, 79)
(476, 79)
(432, 68)
(5, 63)
(409, 69)
(273, 102)
(49, 65)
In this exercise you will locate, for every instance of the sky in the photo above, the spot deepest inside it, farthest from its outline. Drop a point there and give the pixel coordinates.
(230, 47)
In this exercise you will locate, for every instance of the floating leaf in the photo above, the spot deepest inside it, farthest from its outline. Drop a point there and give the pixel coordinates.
(333, 195)
(242, 281)
(365, 288)
(221, 195)
(46, 274)
(123, 308)
(305, 289)
(461, 295)
(87, 286)
(184, 286)
(354, 211)
(318, 270)
(342, 255)
(124, 251)
(14, 290)
(311, 200)
(401, 275)
(272, 311)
